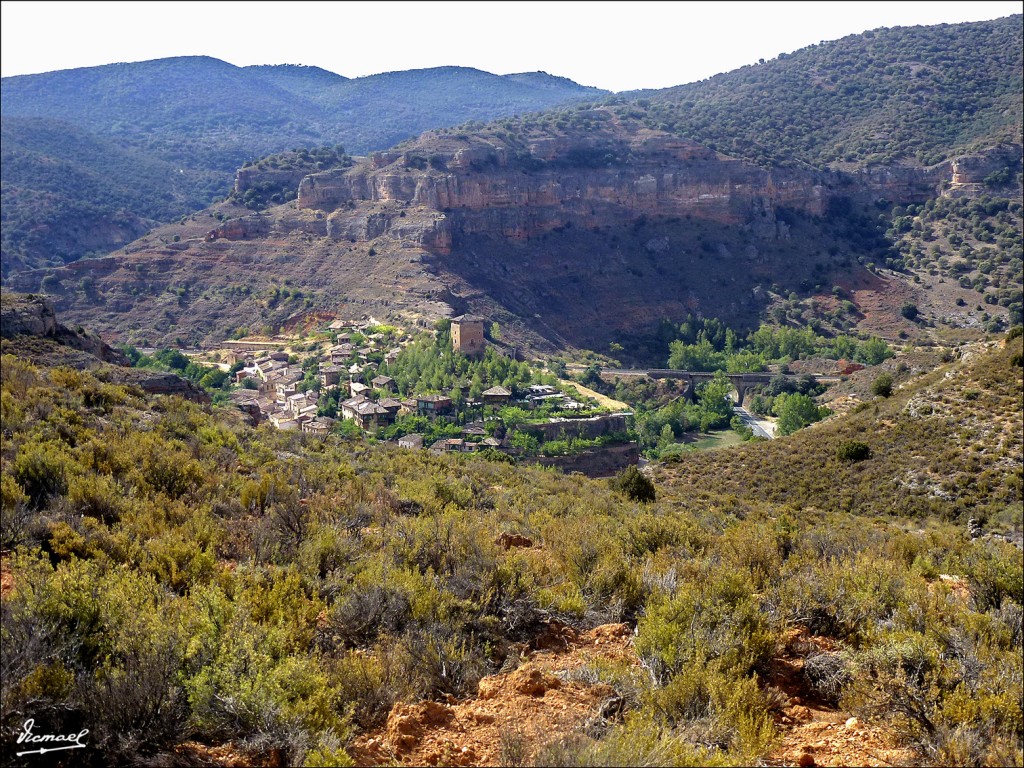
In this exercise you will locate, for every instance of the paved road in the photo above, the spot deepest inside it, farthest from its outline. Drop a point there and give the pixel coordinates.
(760, 427)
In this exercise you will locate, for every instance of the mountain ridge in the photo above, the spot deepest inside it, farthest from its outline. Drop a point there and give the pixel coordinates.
(204, 118)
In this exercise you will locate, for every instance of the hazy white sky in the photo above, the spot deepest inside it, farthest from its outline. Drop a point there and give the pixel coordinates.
(613, 45)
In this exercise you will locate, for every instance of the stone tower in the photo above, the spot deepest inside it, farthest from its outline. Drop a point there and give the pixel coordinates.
(468, 335)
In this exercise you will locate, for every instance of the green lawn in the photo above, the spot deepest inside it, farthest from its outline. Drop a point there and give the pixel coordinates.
(712, 440)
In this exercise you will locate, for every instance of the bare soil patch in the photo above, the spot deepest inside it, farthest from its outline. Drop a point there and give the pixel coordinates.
(815, 733)
(534, 703)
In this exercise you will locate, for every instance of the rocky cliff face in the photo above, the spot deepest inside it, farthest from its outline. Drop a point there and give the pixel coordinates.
(560, 182)
(565, 240)
(487, 186)
(996, 168)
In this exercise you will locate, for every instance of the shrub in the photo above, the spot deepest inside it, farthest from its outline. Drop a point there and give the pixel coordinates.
(634, 485)
(40, 470)
(882, 386)
(852, 451)
(14, 513)
(827, 674)
(717, 622)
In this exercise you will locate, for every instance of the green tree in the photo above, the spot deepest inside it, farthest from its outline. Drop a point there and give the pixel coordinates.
(713, 397)
(874, 351)
(796, 412)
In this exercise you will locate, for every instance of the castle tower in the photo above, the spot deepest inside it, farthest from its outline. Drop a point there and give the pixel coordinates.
(468, 335)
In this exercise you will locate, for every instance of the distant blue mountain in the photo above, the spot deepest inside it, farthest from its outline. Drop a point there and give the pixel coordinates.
(157, 139)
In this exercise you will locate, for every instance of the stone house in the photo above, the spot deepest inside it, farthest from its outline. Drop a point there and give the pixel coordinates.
(330, 375)
(296, 402)
(285, 386)
(391, 405)
(432, 405)
(321, 425)
(413, 441)
(496, 396)
(448, 445)
(283, 420)
(306, 413)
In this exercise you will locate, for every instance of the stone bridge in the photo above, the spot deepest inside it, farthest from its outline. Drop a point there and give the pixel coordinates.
(740, 381)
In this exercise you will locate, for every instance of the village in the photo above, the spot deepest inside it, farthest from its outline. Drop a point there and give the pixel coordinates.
(342, 385)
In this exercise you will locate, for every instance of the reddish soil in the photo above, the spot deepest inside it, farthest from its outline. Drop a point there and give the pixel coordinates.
(532, 702)
(6, 577)
(880, 302)
(814, 733)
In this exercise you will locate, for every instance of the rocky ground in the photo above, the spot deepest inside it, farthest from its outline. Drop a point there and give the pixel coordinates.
(524, 706)
(814, 733)
(541, 700)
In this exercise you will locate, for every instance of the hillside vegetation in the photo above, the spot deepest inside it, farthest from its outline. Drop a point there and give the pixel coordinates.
(915, 95)
(69, 193)
(947, 446)
(905, 95)
(178, 579)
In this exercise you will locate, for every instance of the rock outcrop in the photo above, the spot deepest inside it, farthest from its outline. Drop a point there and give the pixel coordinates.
(490, 186)
(28, 324)
(487, 187)
(32, 315)
(26, 314)
(995, 168)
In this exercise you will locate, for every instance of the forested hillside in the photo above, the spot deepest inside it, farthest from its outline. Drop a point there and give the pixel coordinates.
(914, 95)
(68, 192)
(172, 132)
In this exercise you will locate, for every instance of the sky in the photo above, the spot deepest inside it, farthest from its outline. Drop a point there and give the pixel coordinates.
(613, 45)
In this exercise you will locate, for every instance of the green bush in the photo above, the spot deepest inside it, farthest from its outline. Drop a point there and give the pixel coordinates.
(40, 469)
(882, 386)
(634, 485)
(853, 451)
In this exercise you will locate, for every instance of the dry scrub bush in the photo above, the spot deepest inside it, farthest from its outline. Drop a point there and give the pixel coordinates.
(953, 687)
(716, 620)
(845, 600)
(827, 674)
